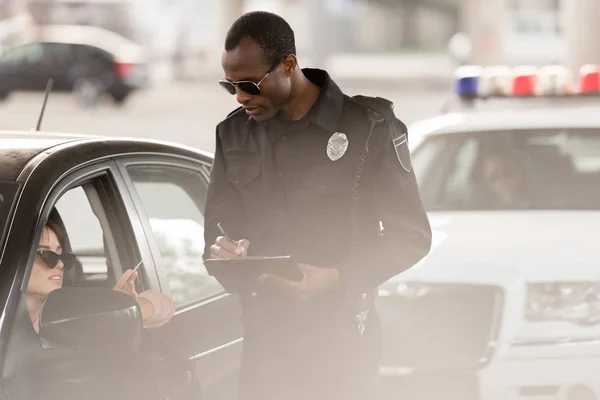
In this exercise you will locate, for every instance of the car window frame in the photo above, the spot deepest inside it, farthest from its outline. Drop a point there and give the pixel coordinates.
(9, 192)
(70, 181)
(202, 168)
(14, 308)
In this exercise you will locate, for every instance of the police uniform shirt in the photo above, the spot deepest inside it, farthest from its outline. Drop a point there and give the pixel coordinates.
(275, 183)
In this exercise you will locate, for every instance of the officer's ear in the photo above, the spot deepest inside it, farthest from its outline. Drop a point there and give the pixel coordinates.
(289, 64)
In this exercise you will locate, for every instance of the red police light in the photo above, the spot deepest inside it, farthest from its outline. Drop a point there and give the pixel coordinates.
(524, 81)
(589, 79)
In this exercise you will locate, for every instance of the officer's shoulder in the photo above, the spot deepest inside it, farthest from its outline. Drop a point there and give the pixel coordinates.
(235, 119)
(381, 107)
(378, 110)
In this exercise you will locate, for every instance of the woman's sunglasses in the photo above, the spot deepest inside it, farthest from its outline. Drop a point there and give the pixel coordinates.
(249, 87)
(51, 258)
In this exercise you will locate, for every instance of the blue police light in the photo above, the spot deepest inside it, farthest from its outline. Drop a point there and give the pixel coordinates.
(467, 81)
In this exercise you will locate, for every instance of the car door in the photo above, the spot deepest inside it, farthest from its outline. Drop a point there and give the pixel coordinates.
(107, 238)
(170, 196)
(57, 62)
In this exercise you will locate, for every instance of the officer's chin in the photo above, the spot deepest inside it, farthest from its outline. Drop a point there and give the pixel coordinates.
(264, 114)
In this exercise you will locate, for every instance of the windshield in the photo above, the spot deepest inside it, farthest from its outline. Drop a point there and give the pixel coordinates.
(510, 170)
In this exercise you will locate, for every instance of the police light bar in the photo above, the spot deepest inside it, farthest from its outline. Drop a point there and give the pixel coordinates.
(589, 79)
(495, 81)
(467, 81)
(554, 80)
(473, 81)
(524, 81)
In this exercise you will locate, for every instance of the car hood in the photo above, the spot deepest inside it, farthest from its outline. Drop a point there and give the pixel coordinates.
(492, 247)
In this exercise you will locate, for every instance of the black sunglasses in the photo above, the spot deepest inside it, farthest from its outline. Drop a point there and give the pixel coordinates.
(51, 258)
(249, 87)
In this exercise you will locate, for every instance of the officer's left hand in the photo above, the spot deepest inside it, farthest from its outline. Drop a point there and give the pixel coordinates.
(316, 281)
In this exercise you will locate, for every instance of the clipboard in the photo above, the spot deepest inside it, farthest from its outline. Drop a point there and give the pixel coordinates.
(251, 267)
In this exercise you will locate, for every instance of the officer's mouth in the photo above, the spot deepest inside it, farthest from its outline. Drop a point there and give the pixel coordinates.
(252, 110)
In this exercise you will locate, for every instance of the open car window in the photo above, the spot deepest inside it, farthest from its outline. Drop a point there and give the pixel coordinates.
(510, 170)
(87, 239)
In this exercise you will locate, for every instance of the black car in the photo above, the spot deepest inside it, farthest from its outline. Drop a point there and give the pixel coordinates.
(121, 201)
(88, 61)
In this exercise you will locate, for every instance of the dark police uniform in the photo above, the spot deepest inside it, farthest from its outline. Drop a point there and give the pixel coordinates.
(317, 189)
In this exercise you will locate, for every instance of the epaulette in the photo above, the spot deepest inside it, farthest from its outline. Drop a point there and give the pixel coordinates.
(379, 109)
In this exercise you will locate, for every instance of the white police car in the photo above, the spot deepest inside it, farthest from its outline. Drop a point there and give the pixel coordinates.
(507, 303)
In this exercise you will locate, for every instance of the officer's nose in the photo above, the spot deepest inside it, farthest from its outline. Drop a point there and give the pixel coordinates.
(241, 96)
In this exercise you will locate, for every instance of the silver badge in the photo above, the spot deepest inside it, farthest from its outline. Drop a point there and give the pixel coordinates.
(337, 146)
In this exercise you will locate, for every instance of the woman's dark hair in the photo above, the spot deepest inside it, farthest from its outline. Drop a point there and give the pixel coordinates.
(55, 223)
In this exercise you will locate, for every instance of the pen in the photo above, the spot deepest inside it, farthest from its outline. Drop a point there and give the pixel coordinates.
(131, 273)
(225, 234)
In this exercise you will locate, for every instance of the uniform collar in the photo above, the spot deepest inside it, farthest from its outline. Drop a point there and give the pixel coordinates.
(327, 110)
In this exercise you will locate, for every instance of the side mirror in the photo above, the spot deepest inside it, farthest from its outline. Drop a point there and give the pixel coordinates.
(90, 318)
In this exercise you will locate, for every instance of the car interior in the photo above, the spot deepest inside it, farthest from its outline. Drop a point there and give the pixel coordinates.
(97, 260)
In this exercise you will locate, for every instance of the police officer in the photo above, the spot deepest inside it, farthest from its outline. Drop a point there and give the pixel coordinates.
(303, 170)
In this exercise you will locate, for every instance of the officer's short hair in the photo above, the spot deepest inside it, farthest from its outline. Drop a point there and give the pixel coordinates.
(272, 33)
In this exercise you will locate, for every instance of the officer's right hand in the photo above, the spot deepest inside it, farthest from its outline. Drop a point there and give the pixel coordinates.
(223, 248)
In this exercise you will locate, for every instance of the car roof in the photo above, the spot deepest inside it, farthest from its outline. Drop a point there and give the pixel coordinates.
(18, 149)
(123, 49)
(519, 115)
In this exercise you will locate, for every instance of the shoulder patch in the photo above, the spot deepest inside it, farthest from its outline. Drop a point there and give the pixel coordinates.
(380, 110)
(400, 143)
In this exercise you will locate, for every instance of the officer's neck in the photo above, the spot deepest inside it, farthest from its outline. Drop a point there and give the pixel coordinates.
(303, 95)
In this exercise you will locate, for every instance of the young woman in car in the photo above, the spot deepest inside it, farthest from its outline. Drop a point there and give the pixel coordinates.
(54, 256)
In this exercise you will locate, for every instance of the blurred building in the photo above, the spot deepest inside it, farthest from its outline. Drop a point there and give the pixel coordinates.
(514, 31)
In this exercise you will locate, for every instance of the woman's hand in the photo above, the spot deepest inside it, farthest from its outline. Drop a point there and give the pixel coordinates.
(126, 283)
(157, 309)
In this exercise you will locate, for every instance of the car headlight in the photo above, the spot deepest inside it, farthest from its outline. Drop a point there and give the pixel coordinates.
(577, 302)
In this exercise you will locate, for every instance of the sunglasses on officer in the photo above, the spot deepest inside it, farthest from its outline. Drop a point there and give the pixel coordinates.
(51, 258)
(249, 87)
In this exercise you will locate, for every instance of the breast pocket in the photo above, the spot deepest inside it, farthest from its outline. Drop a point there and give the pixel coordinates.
(244, 172)
(243, 168)
(324, 190)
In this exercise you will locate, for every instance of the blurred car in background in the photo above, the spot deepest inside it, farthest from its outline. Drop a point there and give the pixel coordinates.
(90, 62)
(507, 303)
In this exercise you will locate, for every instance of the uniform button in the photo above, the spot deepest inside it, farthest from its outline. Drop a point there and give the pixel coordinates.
(364, 296)
(283, 137)
(253, 294)
(237, 181)
(281, 174)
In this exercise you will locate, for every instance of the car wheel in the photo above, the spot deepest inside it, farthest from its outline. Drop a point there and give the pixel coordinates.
(119, 98)
(88, 92)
